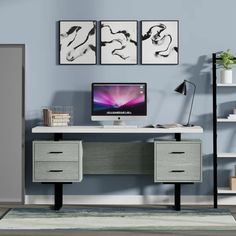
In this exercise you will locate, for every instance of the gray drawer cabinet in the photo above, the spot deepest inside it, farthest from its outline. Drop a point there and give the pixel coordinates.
(57, 161)
(177, 161)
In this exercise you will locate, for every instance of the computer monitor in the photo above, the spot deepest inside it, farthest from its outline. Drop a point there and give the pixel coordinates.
(119, 101)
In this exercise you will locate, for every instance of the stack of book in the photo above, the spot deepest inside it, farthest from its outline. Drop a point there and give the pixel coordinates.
(232, 116)
(52, 118)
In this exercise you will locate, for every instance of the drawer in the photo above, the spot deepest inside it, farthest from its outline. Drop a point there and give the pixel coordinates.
(177, 161)
(177, 152)
(183, 172)
(56, 171)
(57, 151)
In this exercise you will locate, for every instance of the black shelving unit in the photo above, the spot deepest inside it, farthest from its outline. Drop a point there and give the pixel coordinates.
(215, 58)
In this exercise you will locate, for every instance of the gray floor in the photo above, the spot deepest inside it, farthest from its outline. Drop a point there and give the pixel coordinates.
(4, 209)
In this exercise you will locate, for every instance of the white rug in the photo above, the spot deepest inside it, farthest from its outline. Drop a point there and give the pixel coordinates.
(150, 219)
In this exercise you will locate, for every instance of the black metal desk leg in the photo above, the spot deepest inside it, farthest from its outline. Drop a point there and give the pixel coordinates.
(58, 136)
(178, 136)
(177, 185)
(177, 196)
(58, 195)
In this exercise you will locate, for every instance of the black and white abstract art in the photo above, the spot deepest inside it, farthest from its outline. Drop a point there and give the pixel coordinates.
(77, 42)
(118, 42)
(160, 42)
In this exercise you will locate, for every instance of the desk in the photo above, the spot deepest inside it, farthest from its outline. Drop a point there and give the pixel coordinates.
(58, 135)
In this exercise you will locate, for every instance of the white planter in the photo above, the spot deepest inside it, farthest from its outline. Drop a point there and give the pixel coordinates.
(226, 76)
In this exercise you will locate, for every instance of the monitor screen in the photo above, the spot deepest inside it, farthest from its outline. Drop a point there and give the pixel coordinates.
(119, 99)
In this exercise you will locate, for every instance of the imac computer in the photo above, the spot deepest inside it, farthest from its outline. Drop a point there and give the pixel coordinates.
(118, 102)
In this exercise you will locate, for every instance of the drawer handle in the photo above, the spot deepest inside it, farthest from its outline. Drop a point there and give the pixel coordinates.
(55, 152)
(55, 171)
(177, 171)
(177, 152)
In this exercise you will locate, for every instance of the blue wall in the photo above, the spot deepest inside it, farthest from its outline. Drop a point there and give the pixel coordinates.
(206, 26)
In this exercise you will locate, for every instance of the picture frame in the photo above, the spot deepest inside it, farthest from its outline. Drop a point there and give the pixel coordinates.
(119, 42)
(160, 42)
(77, 42)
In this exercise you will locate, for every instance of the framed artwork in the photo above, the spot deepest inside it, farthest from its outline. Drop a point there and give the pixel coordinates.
(119, 42)
(160, 42)
(77, 42)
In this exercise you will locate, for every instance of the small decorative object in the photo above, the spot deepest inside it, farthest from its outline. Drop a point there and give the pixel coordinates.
(233, 182)
(227, 60)
(232, 117)
(183, 90)
(160, 42)
(57, 116)
(77, 42)
(119, 42)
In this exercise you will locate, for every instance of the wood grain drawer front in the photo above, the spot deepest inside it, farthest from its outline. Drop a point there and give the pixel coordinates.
(181, 172)
(177, 162)
(175, 153)
(56, 171)
(56, 151)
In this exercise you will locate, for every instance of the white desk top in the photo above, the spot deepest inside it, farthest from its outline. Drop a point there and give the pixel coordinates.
(103, 130)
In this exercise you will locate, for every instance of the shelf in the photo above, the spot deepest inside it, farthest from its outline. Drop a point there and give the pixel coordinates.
(216, 87)
(225, 120)
(225, 190)
(226, 155)
(226, 85)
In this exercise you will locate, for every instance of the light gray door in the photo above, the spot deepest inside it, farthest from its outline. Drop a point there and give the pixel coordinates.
(11, 123)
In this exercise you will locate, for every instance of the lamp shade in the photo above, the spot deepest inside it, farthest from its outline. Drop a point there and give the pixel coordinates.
(182, 89)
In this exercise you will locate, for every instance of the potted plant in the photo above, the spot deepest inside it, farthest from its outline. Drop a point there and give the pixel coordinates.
(227, 60)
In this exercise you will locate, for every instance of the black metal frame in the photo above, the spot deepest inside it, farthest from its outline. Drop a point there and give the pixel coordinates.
(214, 88)
(178, 185)
(177, 196)
(59, 54)
(141, 43)
(100, 42)
(215, 58)
(58, 187)
(58, 196)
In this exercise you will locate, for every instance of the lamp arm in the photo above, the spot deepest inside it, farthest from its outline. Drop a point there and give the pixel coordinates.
(194, 90)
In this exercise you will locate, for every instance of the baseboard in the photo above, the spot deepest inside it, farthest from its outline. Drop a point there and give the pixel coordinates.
(119, 200)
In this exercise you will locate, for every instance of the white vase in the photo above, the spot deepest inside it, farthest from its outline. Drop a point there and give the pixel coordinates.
(226, 76)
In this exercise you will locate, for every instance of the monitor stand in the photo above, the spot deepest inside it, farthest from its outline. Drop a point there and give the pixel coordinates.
(119, 124)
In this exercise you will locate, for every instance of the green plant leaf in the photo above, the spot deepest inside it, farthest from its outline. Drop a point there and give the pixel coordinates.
(227, 60)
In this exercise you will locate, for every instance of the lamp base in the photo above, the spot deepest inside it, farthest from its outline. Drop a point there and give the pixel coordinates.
(188, 125)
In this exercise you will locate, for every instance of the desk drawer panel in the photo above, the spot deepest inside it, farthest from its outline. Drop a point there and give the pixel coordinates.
(182, 172)
(177, 161)
(177, 152)
(118, 158)
(56, 151)
(56, 171)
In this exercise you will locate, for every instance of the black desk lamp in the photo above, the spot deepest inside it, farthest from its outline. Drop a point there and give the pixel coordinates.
(182, 89)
